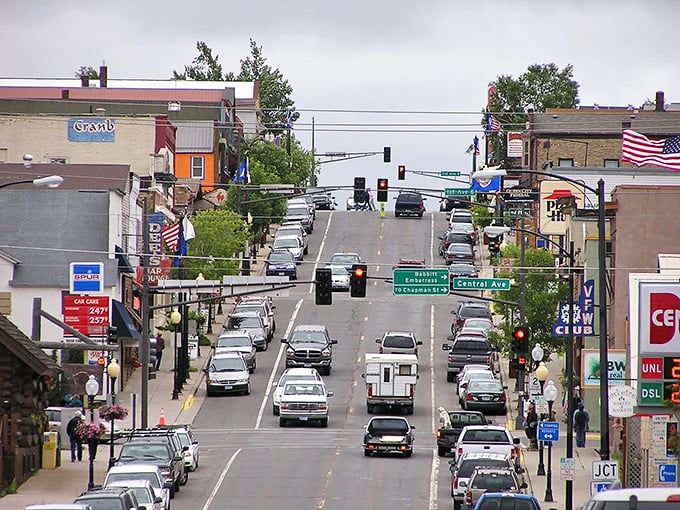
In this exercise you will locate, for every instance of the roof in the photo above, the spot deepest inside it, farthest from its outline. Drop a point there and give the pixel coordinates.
(604, 123)
(25, 349)
(76, 176)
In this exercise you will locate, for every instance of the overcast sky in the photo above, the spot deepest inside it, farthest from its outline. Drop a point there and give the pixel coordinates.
(395, 55)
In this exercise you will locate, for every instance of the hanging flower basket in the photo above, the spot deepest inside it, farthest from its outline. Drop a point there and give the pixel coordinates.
(88, 431)
(114, 412)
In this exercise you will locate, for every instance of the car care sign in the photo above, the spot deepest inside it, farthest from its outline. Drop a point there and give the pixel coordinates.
(659, 343)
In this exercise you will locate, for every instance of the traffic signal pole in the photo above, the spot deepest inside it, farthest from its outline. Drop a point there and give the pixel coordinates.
(519, 420)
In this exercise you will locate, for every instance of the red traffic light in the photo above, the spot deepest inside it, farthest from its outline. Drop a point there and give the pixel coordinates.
(402, 172)
(358, 272)
(520, 333)
(101, 361)
(521, 361)
(382, 183)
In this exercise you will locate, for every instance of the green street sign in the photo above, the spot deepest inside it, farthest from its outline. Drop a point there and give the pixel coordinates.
(481, 284)
(459, 192)
(449, 174)
(420, 282)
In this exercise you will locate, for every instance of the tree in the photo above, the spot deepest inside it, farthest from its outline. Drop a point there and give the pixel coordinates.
(542, 296)
(88, 71)
(220, 235)
(204, 67)
(539, 88)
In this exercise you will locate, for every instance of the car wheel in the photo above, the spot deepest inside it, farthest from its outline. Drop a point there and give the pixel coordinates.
(275, 410)
(441, 451)
(177, 485)
(282, 422)
(273, 328)
(327, 370)
(208, 393)
(247, 390)
(367, 452)
(266, 345)
(306, 251)
(172, 492)
(450, 376)
(185, 478)
(324, 422)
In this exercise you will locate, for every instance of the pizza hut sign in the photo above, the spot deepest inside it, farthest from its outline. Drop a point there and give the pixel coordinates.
(659, 318)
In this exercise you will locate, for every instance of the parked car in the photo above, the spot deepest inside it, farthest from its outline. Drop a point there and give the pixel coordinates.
(294, 229)
(409, 203)
(459, 252)
(289, 374)
(143, 491)
(517, 501)
(281, 263)
(291, 243)
(159, 453)
(466, 350)
(469, 309)
(238, 341)
(108, 498)
(142, 471)
(300, 213)
(648, 498)
(262, 305)
(465, 464)
(251, 321)
(472, 375)
(322, 199)
(453, 236)
(461, 271)
(190, 446)
(398, 342)
(227, 373)
(491, 480)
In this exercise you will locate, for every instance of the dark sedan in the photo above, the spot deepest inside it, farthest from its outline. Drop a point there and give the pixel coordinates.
(486, 396)
(459, 252)
(450, 237)
(462, 271)
(281, 263)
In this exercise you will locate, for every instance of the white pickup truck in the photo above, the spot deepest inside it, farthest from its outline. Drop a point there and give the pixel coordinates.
(488, 438)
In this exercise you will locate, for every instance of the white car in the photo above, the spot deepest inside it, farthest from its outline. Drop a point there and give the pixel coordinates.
(340, 278)
(141, 471)
(291, 243)
(192, 453)
(143, 491)
(238, 341)
(294, 228)
(304, 401)
(227, 373)
(289, 374)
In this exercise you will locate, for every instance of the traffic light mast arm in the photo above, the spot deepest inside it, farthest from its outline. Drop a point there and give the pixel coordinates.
(344, 156)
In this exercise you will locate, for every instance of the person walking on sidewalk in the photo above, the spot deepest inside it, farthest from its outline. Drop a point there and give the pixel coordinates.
(531, 427)
(581, 424)
(76, 441)
(160, 345)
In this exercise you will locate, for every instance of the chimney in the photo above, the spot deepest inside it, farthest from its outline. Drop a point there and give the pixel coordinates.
(103, 70)
(659, 101)
(84, 80)
(64, 93)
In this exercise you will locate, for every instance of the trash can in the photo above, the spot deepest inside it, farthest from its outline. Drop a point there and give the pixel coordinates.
(49, 457)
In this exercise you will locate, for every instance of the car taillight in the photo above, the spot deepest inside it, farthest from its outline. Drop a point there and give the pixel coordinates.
(438, 434)
(450, 358)
(502, 398)
(468, 497)
(455, 482)
(413, 390)
(369, 390)
(673, 498)
(460, 451)
(469, 397)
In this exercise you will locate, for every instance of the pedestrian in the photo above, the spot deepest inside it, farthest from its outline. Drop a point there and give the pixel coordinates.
(531, 426)
(371, 203)
(75, 440)
(160, 345)
(581, 424)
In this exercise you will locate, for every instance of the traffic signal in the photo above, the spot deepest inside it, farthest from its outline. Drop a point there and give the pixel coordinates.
(382, 190)
(357, 280)
(359, 189)
(387, 154)
(519, 364)
(494, 246)
(323, 286)
(112, 334)
(402, 172)
(520, 340)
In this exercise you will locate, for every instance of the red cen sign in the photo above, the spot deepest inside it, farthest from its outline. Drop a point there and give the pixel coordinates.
(89, 315)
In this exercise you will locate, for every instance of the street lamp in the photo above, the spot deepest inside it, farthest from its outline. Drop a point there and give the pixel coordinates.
(550, 394)
(113, 370)
(175, 318)
(91, 388)
(602, 284)
(51, 181)
(541, 374)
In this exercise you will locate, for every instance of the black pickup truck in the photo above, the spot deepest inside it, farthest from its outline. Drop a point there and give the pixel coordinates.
(409, 203)
(447, 437)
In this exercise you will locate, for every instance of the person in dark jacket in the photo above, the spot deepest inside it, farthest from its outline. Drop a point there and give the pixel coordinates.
(531, 427)
(76, 441)
(160, 346)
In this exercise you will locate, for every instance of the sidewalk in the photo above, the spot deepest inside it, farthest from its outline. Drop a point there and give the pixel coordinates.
(65, 483)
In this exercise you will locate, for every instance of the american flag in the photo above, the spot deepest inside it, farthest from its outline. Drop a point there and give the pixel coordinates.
(171, 236)
(289, 120)
(641, 151)
(492, 123)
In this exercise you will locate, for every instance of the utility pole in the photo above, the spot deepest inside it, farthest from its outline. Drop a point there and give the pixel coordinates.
(522, 317)
(144, 342)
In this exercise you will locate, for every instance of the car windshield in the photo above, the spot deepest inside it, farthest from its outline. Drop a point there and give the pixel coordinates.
(244, 322)
(233, 341)
(459, 248)
(134, 451)
(303, 389)
(386, 425)
(251, 308)
(102, 503)
(227, 365)
(286, 242)
(402, 341)
(117, 477)
(461, 268)
(311, 337)
(292, 377)
(142, 495)
(281, 257)
(477, 324)
(297, 211)
(482, 386)
(478, 374)
(340, 270)
(496, 481)
(468, 466)
(293, 231)
(345, 259)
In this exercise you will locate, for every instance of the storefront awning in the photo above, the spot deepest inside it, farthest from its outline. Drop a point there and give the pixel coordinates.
(123, 321)
(123, 261)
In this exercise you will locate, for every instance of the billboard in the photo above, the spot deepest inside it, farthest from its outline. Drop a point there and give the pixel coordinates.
(551, 219)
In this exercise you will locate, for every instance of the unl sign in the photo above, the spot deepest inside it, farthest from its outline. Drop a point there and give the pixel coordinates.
(659, 317)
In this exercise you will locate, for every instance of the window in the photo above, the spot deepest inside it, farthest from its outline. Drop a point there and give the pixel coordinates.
(565, 162)
(197, 167)
(611, 163)
(58, 161)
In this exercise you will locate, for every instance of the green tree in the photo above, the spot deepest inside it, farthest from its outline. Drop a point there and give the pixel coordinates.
(542, 296)
(88, 71)
(205, 67)
(220, 235)
(542, 86)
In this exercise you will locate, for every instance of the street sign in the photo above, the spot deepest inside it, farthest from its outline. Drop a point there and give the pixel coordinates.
(567, 468)
(605, 470)
(548, 430)
(668, 473)
(481, 284)
(420, 282)
(459, 192)
(596, 487)
(86, 278)
(449, 174)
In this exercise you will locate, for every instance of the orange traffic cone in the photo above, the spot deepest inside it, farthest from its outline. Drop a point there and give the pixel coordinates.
(161, 420)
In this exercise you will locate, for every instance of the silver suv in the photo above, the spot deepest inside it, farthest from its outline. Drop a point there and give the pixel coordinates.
(263, 306)
(252, 321)
(398, 342)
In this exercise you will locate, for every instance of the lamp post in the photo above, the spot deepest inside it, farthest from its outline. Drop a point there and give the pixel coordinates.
(550, 394)
(541, 374)
(602, 285)
(113, 370)
(51, 181)
(175, 318)
(91, 388)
